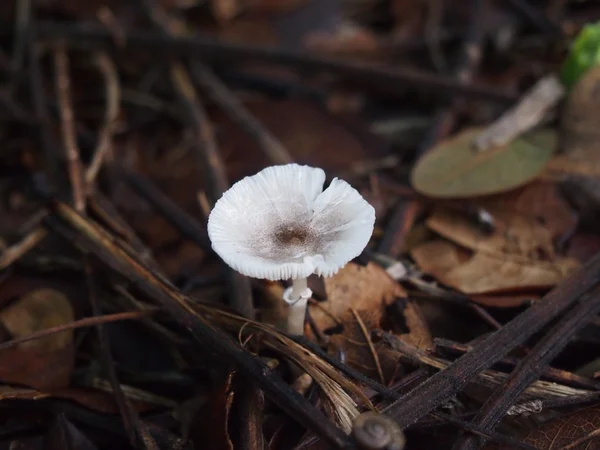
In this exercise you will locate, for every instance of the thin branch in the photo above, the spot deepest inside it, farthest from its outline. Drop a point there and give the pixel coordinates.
(63, 90)
(21, 248)
(271, 146)
(84, 233)
(81, 323)
(113, 100)
(531, 366)
(367, 336)
(382, 79)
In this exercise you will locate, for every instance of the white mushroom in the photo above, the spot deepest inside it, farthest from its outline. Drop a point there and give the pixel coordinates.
(281, 224)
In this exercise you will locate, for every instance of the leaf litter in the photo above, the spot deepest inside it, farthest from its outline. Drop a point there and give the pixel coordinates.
(118, 323)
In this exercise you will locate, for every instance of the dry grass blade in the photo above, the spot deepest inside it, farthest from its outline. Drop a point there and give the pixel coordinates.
(336, 387)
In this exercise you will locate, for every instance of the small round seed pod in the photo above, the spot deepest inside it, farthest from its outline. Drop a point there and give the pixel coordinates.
(375, 431)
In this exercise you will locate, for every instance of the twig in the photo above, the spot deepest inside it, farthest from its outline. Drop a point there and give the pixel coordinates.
(557, 375)
(81, 323)
(83, 232)
(489, 435)
(446, 383)
(18, 250)
(344, 368)
(63, 90)
(207, 150)
(531, 366)
(220, 93)
(403, 218)
(178, 218)
(391, 81)
(200, 122)
(250, 406)
(367, 336)
(102, 208)
(113, 101)
(529, 112)
(131, 421)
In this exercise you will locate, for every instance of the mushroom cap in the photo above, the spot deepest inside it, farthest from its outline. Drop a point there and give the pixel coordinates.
(281, 224)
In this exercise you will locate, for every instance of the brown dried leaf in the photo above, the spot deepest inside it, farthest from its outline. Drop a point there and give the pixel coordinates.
(527, 222)
(574, 430)
(485, 273)
(44, 363)
(418, 333)
(515, 234)
(360, 287)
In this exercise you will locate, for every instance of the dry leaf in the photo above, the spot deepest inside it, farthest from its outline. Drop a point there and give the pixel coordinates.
(361, 294)
(44, 363)
(454, 169)
(515, 234)
(574, 430)
(360, 287)
(542, 202)
(486, 273)
(527, 222)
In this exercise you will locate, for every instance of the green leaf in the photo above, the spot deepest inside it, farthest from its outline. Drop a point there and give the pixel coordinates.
(454, 169)
(585, 53)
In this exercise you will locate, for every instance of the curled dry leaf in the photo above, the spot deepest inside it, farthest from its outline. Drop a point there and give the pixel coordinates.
(455, 169)
(487, 273)
(44, 363)
(577, 431)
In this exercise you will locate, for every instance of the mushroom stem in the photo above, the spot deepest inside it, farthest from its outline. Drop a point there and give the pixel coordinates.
(297, 298)
(299, 285)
